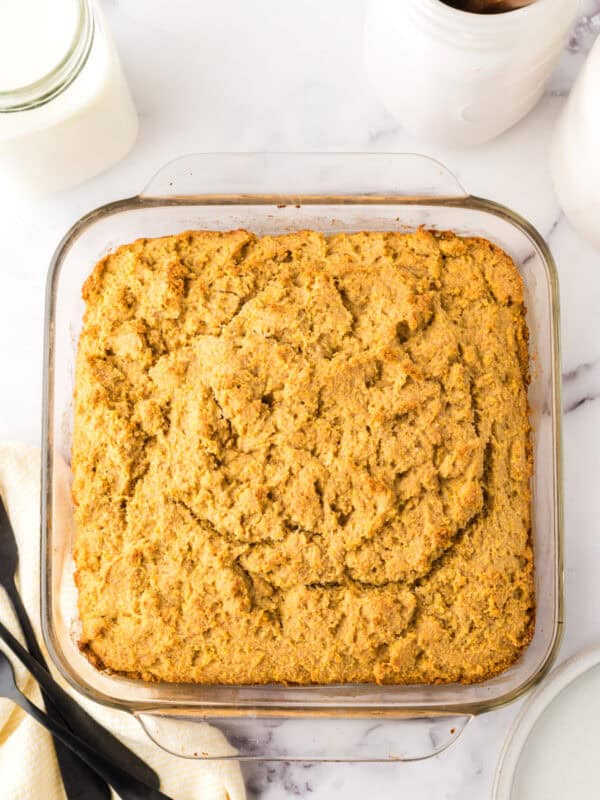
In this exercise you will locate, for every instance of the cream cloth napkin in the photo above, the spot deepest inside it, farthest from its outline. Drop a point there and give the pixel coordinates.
(28, 767)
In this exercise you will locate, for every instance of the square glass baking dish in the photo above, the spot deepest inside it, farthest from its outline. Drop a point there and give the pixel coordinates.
(273, 193)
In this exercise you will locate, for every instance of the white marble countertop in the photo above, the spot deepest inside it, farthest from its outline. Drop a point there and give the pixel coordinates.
(282, 76)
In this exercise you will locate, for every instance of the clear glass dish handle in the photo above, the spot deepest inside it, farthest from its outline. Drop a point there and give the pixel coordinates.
(405, 176)
(302, 738)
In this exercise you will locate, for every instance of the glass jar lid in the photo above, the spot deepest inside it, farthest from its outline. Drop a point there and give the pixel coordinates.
(43, 47)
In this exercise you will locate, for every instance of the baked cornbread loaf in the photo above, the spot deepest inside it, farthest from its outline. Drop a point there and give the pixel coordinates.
(303, 458)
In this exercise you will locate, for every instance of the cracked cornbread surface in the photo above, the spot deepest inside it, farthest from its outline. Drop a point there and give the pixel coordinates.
(304, 458)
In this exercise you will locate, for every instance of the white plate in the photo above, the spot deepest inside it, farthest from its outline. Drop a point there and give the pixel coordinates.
(553, 749)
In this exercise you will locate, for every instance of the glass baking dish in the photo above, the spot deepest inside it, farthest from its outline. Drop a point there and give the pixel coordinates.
(273, 193)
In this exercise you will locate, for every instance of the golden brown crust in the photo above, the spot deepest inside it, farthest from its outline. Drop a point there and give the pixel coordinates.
(304, 459)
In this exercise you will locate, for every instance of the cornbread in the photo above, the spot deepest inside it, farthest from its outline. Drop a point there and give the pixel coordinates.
(304, 459)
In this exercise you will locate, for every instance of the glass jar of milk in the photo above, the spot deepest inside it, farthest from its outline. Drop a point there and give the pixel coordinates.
(458, 77)
(66, 112)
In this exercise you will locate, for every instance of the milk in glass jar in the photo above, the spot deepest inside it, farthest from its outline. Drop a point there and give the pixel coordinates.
(66, 112)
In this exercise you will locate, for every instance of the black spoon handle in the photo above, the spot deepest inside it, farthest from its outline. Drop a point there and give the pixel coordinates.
(80, 782)
(25, 623)
(79, 720)
(126, 786)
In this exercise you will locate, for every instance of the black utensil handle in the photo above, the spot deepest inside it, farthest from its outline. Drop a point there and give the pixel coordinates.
(128, 787)
(25, 623)
(85, 725)
(79, 781)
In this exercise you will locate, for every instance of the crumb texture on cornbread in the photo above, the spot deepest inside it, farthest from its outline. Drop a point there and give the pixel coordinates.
(304, 458)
